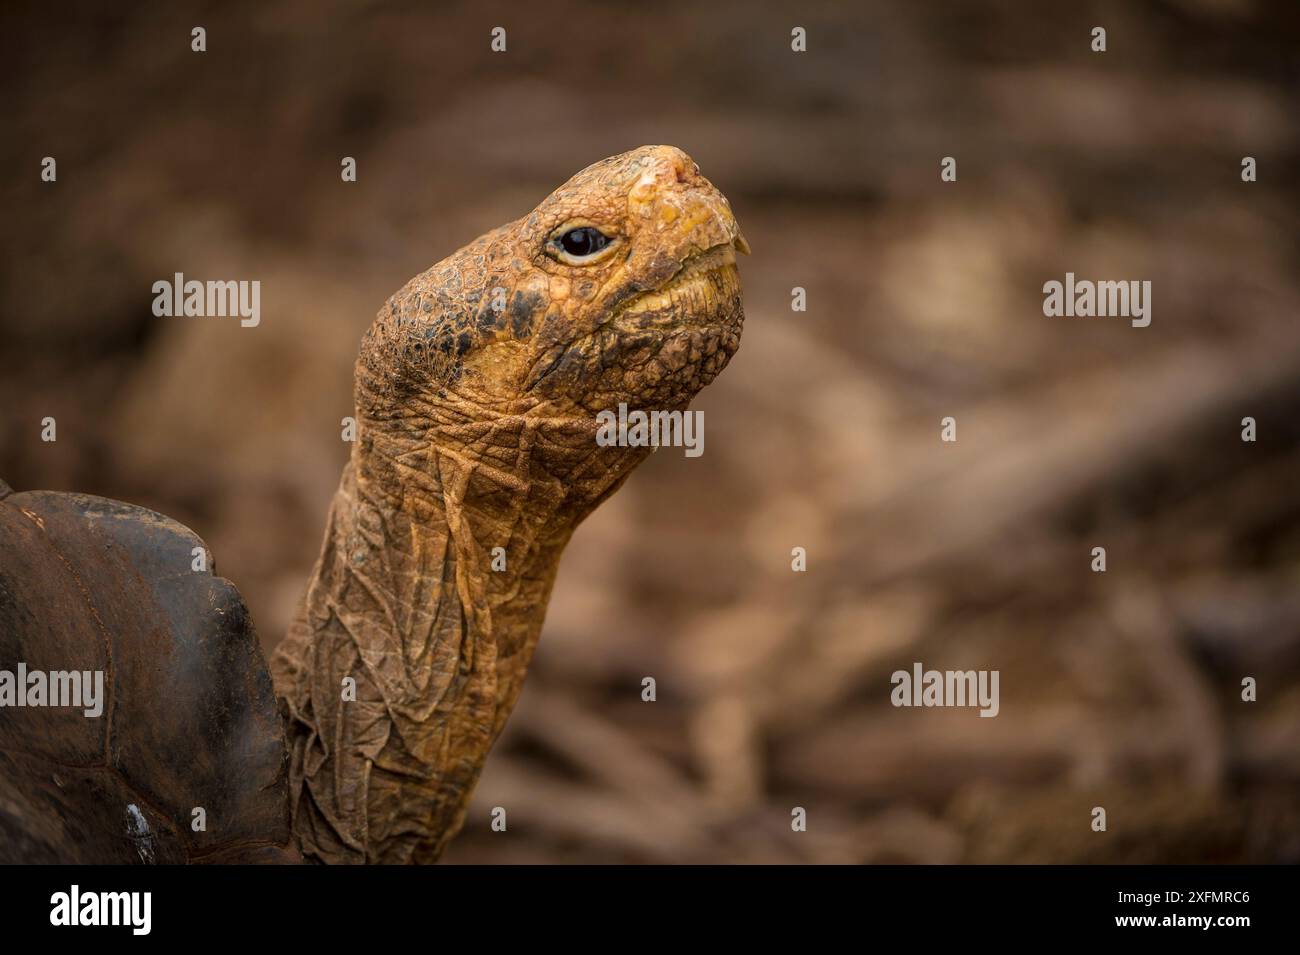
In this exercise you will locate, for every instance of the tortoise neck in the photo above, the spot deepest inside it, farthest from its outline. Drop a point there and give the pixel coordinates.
(410, 647)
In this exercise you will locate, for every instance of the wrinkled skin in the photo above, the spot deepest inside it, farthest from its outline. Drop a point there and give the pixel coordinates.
(476, 430)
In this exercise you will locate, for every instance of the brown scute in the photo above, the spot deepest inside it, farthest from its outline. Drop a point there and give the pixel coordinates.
(189, 719)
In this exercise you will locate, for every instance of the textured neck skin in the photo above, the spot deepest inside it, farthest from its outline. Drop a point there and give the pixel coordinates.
(477, 389)
(405, 601)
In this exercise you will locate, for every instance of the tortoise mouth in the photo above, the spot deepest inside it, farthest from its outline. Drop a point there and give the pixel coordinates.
(664, 344)
(704, 292)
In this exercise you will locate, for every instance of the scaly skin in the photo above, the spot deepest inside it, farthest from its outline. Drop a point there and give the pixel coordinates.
(476, 430)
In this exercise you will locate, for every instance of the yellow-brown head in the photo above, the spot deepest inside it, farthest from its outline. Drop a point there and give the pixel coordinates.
(621, 286)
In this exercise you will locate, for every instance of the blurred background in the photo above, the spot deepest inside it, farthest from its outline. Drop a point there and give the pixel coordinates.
(1120, 689)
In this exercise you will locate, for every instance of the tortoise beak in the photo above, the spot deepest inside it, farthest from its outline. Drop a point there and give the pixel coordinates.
(740, 244)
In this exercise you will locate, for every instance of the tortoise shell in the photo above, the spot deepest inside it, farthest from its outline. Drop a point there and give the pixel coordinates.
(185, 760)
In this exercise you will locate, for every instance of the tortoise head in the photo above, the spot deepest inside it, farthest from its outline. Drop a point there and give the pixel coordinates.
(635, 259)
(620, 287)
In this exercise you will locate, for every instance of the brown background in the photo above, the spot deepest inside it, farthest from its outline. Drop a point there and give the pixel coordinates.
(925, 300)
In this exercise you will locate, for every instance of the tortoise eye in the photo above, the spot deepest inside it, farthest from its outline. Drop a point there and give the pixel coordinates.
(583, 241)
